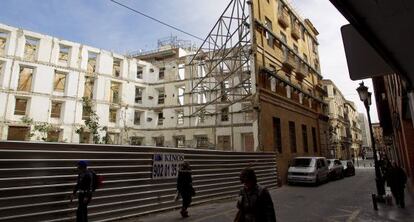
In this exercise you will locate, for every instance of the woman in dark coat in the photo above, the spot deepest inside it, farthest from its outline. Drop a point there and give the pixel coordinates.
(185, 187)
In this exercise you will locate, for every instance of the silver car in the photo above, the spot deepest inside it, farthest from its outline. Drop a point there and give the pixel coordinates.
(335, 169)
(308, 170)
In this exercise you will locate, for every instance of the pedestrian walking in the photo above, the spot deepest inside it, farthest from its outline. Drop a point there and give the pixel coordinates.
(396, 180)
(255, 203)
(185, 187)
(83, 189)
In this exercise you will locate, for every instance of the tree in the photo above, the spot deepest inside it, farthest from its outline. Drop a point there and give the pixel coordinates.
(40, 129)
(92, 123)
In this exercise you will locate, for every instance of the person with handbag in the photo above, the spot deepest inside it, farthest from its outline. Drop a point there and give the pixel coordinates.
(185, 187)
(255, 203)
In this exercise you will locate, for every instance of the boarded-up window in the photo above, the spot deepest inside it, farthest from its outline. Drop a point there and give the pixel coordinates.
(116, 71)
(92, 61)
(63, 53)
(159, 141)
(59, 82)
(162, 73)
(225, 114)
(89, 84)
(3, 41)
(25, 79)
(21, 106)
(140, 71)
(224, 142)
(31, 48)
(202, 141)
(248, 142)
(138, 95)
(112, 115)
(84, 137)
(179, 141)
(161, 96)
(115, 92)
(180, 117)
(85, 113)
(137, 117)
(160, 119)
(56, 109)
(18, 133)
(137, 141)
(53, 135)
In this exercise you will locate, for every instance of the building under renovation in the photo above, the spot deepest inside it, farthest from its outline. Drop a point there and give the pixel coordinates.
(253, 85)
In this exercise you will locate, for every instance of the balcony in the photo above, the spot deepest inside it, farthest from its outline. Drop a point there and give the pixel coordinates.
(289, 62)
(301, 70)
(283, 18)
(295, 31)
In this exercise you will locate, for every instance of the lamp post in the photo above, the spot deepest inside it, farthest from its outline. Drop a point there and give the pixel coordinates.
(365, 97)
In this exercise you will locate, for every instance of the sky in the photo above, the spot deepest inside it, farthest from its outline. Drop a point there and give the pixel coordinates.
(104, 24)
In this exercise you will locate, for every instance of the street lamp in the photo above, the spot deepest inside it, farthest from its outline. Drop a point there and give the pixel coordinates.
(365, 97)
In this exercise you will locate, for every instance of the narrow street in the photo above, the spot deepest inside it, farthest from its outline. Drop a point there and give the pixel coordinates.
(348, 199)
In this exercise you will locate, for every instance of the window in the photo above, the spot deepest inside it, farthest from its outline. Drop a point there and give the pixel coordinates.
(161, 96)
(89, 84)
(86, 113)
(248, 113)
(180, 117)
(31, 48)
(137, 117)
(56, 109)
(225, 114)
(3, 41)
(140, 71)
(305, 139)
(315, 142)
(161, 73)
(25, 79)
(314, 47)
(59, 82)
(181, 71)
(92, 58)
(202, 141)
(18, 133)
(138, 95)
(181, 91)
(201, 70)
(20, 106)
(84, 137)
(284, 38)
(63, 53)
(137, 141)
(223, 143)
(159, 141)
(179, 141)
(277, 135)
(160, 119)
(223, 90)
(113, 138)
(295, 48)
(112, 115)
(116, 70)
(305, 57)
(53, 135)
(292, 137)
(269, 37)
(115, 92)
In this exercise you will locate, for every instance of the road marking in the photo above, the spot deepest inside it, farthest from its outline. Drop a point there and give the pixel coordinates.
(353, 216)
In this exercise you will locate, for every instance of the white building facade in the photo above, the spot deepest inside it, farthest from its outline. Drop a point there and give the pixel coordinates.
(44, 78)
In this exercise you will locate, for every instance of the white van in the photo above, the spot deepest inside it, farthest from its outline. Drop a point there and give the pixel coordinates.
(308, 170)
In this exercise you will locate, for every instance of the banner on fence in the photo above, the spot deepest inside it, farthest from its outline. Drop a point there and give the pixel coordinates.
(166, 165)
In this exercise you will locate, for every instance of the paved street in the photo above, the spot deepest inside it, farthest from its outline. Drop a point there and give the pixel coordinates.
(348, 199)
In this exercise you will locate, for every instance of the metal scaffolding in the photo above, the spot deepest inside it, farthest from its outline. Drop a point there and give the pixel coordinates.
(221, 68)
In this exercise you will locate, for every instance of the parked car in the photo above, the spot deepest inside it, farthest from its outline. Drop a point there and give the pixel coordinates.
(308, 170)
(335, 169)
(349, 169)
